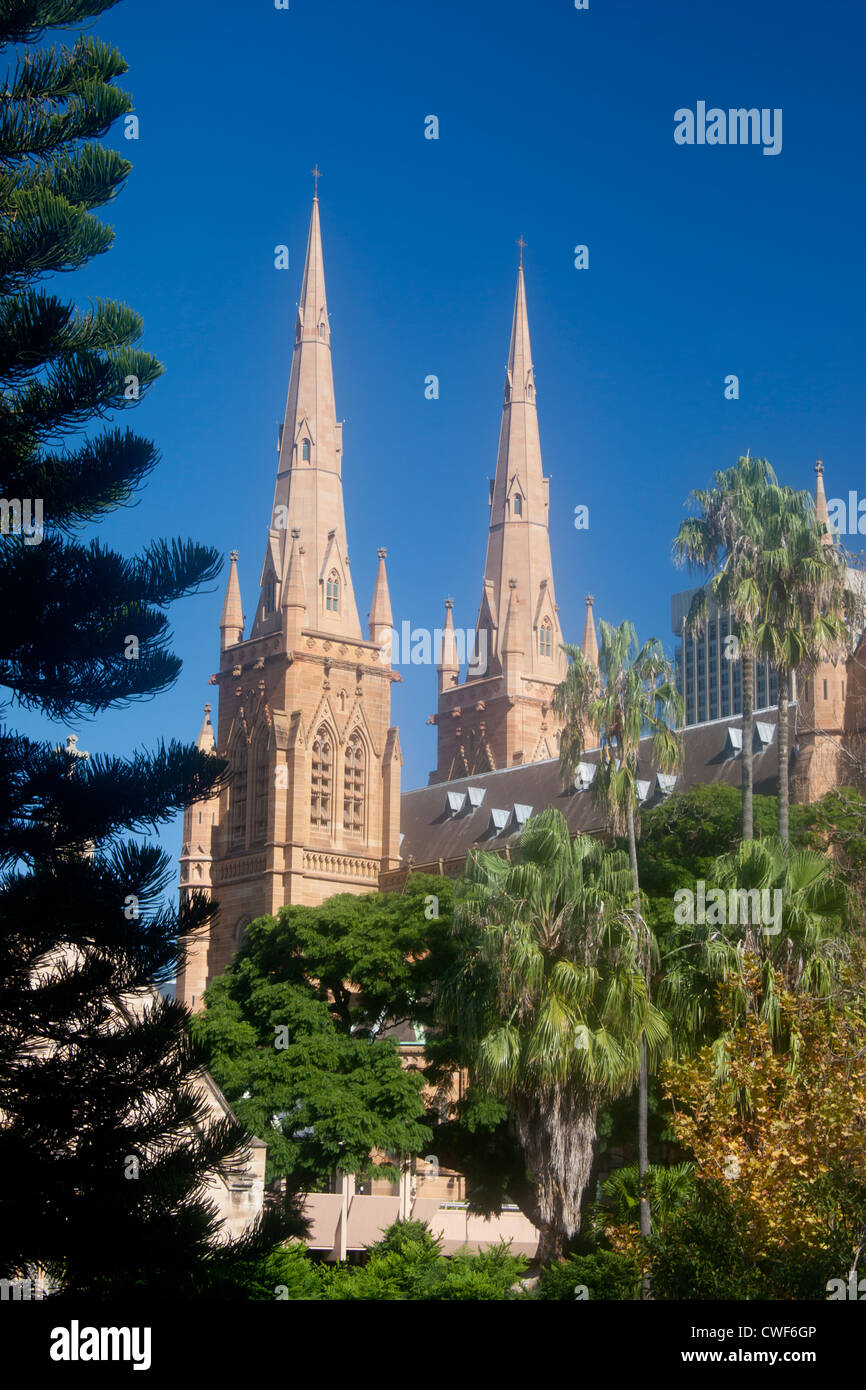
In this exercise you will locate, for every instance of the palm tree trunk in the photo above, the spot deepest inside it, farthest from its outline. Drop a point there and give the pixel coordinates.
(643, 1078)
(556, 1129)
(551, 1244)
(748, 667)
(784, 757)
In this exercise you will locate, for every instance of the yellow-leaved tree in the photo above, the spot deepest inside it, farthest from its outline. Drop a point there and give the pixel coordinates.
(784, 1129)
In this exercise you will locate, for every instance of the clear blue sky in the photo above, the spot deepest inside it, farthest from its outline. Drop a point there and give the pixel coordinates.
(556, 124)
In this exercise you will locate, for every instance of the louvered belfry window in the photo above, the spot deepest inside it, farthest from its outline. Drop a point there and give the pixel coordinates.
(321, 779)
(353, 785)
(262, 788)
(238, 796)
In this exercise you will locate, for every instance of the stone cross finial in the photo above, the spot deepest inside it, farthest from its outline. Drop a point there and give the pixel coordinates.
(522, 244)
(317, 174)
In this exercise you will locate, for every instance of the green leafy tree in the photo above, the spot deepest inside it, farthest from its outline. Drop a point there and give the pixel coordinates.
(549, 998)
(837, 824)
(97, 1075)
(300, 1028)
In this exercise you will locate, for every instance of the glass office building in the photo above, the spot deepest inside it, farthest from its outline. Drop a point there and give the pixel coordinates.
(708, 675)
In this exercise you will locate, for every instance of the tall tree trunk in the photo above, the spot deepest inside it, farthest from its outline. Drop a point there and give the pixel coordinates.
(748, 667)
(784, 757)
(556, 1130)
(643, 1077)
(551, 1243)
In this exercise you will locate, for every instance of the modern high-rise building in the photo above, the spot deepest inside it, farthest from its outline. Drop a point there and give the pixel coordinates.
(708, 674)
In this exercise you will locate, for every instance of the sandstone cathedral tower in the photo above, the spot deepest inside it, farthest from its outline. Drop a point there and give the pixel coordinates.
(312, 806)
(501, 714)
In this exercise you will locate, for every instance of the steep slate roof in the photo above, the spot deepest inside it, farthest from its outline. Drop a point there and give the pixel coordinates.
(433, 833)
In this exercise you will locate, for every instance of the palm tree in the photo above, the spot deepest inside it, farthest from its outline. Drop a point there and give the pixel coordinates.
(806, 606)
(550, 1001)
(669, 1189)
(803, 949)
(630, 697)
(724, 542)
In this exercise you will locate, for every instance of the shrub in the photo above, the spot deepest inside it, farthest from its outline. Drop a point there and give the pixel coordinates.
(606, 1275)
(407, 1265)
(286, 1273)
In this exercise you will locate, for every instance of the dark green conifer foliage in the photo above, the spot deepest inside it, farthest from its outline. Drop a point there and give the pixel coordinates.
(96, 1069)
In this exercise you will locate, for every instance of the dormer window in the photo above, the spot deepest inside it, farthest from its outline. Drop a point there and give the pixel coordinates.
(332, 594)
(270, 595)
(544, 639)
(518, 505)
(321, 330)
(305, 451)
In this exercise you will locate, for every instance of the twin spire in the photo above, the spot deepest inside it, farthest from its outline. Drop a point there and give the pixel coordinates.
(306, 582)
(518, 618)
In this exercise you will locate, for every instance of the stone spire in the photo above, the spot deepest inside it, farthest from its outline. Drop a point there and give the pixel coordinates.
(821, 513)
(512, 641)
(206, 741)
(518, 543)
(294, 591)
(501, 714)
(310, 805)
(309, 488)
(380, 619)
(448, 666)
(232, 620)
(589, 645)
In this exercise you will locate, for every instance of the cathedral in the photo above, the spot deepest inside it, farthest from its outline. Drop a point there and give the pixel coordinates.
(313, 805)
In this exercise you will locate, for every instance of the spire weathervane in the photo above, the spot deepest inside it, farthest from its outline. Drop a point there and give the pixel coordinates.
(522, 244)
(317, 174)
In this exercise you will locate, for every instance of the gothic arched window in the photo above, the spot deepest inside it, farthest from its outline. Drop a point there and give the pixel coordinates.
(544, 639)
(321, 779)
(305, 451)
(238, 796)
(269, 601)
(332, 593)
(354, 785)
(518, 505)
